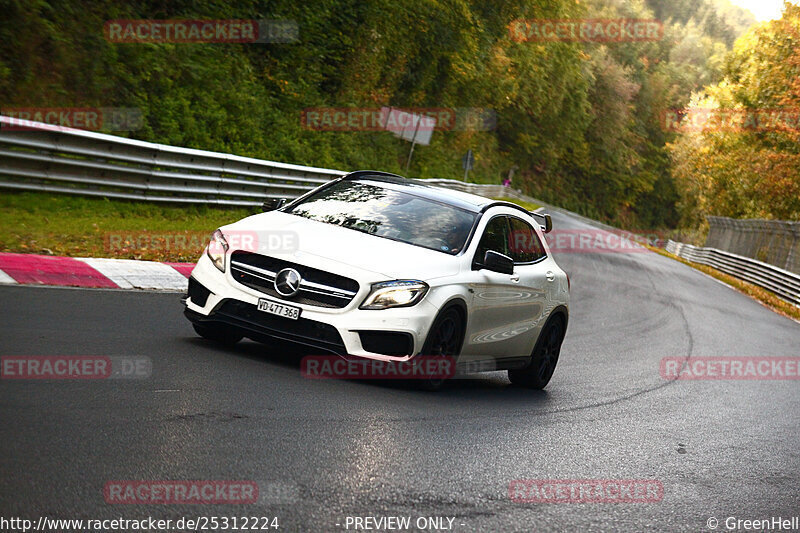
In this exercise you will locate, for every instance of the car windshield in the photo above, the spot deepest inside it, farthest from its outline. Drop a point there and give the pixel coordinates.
(370, 208)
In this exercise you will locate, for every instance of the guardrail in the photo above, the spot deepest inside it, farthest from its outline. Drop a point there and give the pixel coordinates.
(777, 280)
(48, 158)
(41, 157)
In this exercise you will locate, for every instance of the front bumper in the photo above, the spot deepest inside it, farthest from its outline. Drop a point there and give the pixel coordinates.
(260, 326)
(343, 331)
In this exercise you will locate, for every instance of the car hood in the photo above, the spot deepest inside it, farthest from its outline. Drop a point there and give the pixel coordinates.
(337, 249)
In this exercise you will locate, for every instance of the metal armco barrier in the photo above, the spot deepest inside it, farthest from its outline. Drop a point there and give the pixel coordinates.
(782, 282)
(48, 158)
(776, 242)
(41, 157)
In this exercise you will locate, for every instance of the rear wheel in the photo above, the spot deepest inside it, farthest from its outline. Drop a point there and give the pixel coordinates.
(543, 359)
(217, 333)
(444, 340)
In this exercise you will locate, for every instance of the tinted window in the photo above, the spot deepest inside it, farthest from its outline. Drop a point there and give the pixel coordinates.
(524, 244)
(495, 238)
(370, 208)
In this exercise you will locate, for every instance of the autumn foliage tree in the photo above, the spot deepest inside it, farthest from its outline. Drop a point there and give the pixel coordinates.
(750, 169)
(578, 121)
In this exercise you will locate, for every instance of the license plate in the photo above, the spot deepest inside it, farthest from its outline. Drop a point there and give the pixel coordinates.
(279, 309)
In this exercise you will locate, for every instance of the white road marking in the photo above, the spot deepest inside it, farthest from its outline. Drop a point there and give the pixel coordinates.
(130, 274)
(6, 279)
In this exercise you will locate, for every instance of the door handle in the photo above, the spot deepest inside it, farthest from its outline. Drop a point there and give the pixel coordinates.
(549, 275)
(515, 278)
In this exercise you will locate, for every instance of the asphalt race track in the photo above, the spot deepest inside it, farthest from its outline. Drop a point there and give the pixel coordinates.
(323, 450)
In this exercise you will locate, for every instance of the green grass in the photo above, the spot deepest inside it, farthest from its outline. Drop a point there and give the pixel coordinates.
(77, 226)
(530, 206)
(98, 227)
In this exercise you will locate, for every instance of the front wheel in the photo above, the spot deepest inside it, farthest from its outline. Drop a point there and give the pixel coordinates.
(543, 359)
(217, 333)
(444, 340)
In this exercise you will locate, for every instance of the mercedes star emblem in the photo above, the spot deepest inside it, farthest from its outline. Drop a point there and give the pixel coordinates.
(287, 282)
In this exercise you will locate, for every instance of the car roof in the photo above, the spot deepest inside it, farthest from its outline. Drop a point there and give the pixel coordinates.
(464, 200)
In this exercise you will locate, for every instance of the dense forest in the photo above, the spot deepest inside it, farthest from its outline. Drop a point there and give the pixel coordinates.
(579, 124)
(749, 166)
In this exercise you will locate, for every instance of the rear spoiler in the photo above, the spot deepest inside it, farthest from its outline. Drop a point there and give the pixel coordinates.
(546, 221)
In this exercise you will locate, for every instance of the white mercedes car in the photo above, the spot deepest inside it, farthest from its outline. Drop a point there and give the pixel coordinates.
(376, 266)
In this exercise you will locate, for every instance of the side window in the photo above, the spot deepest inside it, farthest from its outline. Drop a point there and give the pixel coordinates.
(495, 238)
(524, 244)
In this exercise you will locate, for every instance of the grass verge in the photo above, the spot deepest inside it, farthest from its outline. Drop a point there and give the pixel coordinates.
(765, 297)
(98, 227)
(77, 226)
(530, 206)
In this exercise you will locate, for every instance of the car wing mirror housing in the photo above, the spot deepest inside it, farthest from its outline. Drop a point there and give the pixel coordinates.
(497, 262)
(271, 204)
(546, 221)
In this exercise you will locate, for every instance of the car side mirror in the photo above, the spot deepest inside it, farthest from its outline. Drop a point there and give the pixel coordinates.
(547, 227)
(548, 223)
(497, 262)
(271, 204)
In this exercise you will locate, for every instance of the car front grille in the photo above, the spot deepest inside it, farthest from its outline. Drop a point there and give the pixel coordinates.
(319, 288)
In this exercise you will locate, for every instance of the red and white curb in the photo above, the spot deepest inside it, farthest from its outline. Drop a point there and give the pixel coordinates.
(32, 269)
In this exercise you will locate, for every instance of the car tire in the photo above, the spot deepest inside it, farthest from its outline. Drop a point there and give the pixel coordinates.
(218, 333)
(543, 359)
(445, 338)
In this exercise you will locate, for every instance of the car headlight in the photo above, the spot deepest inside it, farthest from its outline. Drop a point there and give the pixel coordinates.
(217, 249)
(399, 293)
